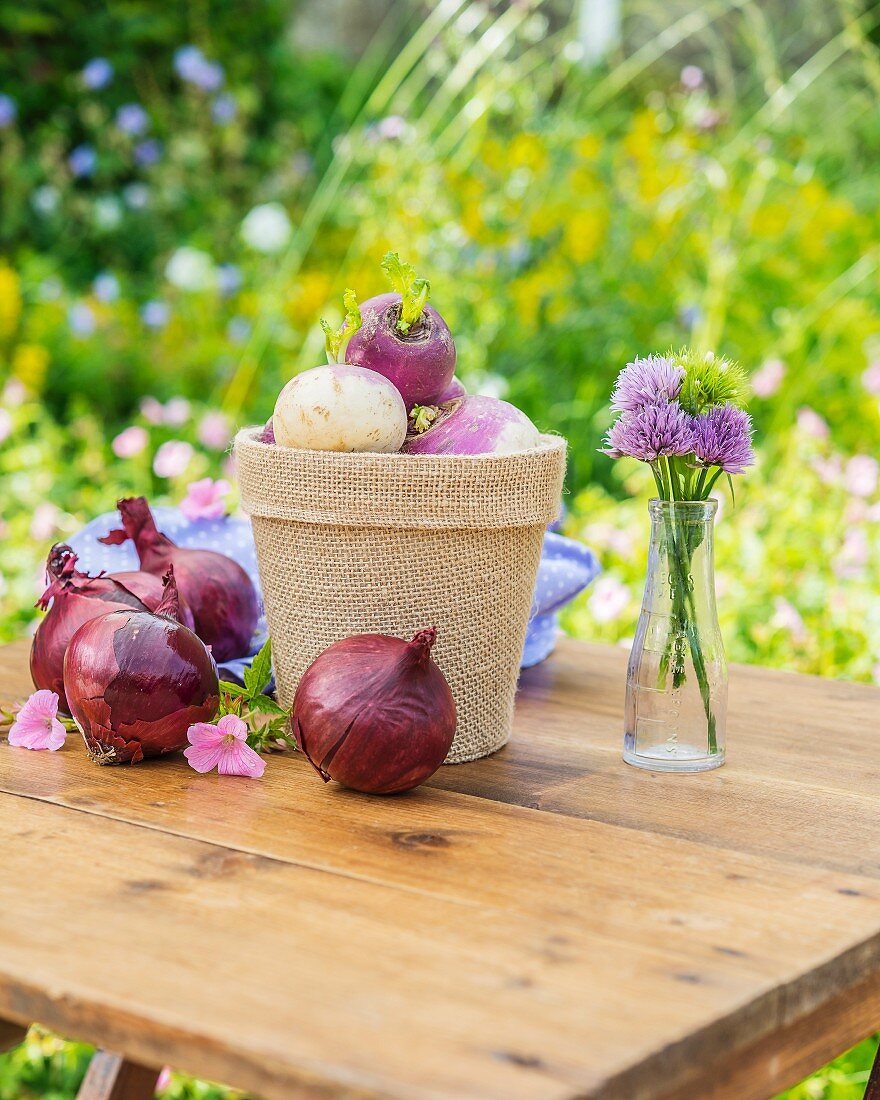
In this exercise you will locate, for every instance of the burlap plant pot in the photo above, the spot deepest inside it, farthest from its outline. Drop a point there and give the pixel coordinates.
(369, 543)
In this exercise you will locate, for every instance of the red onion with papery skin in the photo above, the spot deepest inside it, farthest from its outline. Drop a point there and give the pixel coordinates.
(267, 435)
(375, 713)
(420, 362)
(471, 425)
(75, 598)
(137, 680)
(215, 588)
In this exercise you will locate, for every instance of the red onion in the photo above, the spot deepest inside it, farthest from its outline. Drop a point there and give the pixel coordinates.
(471, 425)
(375, 713)
(75, 597)
(420, 362)
(137, 680)
(217, 590)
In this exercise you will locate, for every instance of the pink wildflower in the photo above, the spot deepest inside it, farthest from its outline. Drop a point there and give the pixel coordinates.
(152, 411)
(204, 499)
(36, 725)
(172, 458)
(871, 377)
(130, 442)
(223, 747)
(810, 423)
(862, 475)
(609, 599)
(214, 431)
(768, 378)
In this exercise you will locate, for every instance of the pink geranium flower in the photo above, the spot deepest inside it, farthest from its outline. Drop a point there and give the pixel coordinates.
(214, 431)
(130, 441)
(172, 458)
(204, 499)
(36, 725)
(223, 747)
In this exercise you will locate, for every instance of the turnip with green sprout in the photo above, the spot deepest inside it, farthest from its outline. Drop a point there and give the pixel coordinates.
(399, 336)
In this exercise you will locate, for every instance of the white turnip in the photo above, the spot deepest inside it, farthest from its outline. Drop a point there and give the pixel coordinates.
(340, 408)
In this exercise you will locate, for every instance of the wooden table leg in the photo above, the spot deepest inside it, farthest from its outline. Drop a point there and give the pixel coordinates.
(11, 1035)
(872, 1092)
(111, 1077)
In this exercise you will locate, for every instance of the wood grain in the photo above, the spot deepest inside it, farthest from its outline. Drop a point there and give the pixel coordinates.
(111, 1077)
(544, 923)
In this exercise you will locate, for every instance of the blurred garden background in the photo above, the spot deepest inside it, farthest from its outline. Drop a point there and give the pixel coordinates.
(186, 188)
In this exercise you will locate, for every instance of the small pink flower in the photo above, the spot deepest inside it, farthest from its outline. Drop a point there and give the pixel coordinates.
(177, 411)
(5, 424)
(223, 747)
(172, 458)
(828, 470)
(152, 411)
(871, 378)
(609, 599)
(14, 393)
(164, 1079)
(768, 378)
(204, 499)
(852, 558)
(787, 617)
(36, 725)
(45, 521)
(214, 431)
(862, 475)
(692, 77)
(810, 423)
(130, 442)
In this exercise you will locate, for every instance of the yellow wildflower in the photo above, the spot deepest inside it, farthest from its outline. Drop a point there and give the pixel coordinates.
(10, 301)
(585, 233)
(29, 363)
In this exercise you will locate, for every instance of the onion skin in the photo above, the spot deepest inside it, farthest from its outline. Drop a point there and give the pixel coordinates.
(475, 425)
(375, 713)
(215, 588)
(136, 681)
(420, 364)
(75, 598)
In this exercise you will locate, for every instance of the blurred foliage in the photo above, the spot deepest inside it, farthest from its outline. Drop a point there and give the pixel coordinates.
(163, 269)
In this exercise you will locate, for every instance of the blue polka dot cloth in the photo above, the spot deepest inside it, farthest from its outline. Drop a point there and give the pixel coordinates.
(566, 568)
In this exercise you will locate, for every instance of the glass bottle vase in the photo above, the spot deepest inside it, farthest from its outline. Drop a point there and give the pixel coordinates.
(676, 684)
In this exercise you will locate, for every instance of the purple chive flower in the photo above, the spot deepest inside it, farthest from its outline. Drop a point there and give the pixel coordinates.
(81, 320)
(82, 161)
(132, 119)
(651, 432)
(723, 437)
(192, 66)
(97, 73)
(147, 152)
(8, 111)
(224, 108)
(646, 382)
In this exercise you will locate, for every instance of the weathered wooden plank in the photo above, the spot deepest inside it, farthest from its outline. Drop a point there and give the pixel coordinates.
(789, 1055)
(111, 1077)
(723, 912)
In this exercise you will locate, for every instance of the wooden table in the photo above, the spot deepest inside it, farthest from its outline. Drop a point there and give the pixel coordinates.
(546, 923)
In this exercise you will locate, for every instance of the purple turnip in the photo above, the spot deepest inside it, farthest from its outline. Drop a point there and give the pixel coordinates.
(403, 338)
(470, 425)
(340, 408)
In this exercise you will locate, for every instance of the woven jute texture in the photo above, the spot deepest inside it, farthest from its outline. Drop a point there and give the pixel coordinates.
(367, 543)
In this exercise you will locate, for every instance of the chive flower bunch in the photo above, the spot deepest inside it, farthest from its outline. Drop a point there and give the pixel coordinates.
(682, 413)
